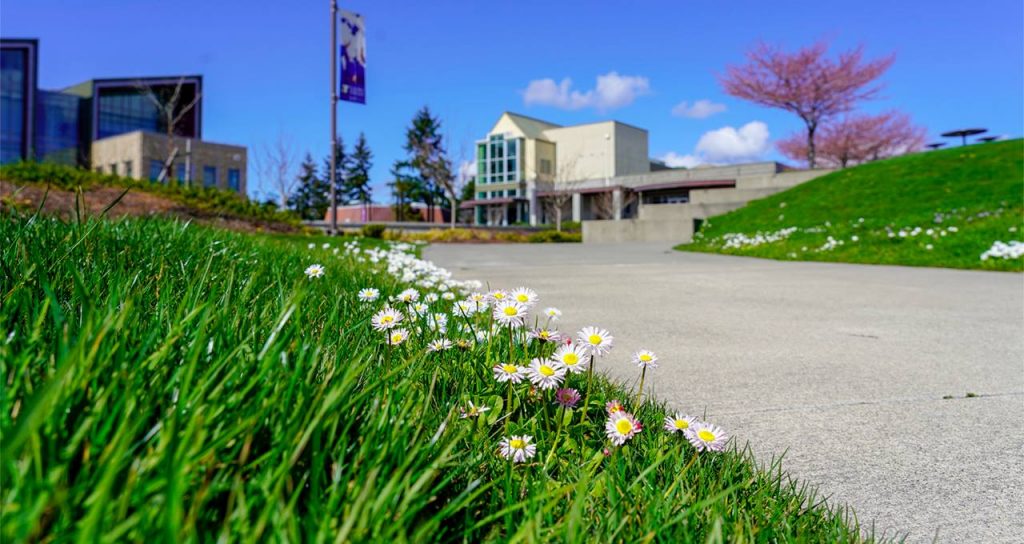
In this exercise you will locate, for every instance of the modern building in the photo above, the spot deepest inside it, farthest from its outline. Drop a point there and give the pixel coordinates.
(531, 171)
(72, 125)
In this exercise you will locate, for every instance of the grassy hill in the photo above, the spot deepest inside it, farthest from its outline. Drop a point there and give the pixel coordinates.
(943, 208)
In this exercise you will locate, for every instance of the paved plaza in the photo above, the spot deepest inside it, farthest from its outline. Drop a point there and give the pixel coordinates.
(847, 369)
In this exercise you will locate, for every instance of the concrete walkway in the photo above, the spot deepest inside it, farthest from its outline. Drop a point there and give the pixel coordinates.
(844, 368)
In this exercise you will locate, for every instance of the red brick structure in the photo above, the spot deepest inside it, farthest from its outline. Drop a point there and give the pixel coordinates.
(380, 213)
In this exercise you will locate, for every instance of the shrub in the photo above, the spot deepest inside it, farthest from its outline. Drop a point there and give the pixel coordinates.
(374, 230)
(553, 236)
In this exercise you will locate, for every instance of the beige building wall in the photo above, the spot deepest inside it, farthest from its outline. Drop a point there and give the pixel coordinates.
(138, 149)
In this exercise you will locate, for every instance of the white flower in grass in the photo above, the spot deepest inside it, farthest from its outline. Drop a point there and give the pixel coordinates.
(385, 319)
(545, 335)
(325, 246)
(448, 295)
(706, 437)
(311, 246)
(573, 357)
(553, 313)
(645, 358)
(508, 372)
(408, 296)
(438, 322)
(397, 336)
(439, 345)
(314, 271)
(524, 295)
(598, 341)
(517, 448)
(472, 411)
(497, 295)
(431, 298)
(510, 312)
(465, 308)
(678, 423)
(369, 294)
(545, 374)
(621, 426)
(420, 308)
(478, 298)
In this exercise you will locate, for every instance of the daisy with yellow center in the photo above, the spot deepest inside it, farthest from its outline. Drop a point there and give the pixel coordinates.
(510, 312)
(314, 271)
(497, 295)
(573, 357)
(706, 436)
(613, 407)
(507, 372)
(524, 295)
(545, 374)
(388, 318)
(597, 341)
(439, 345)
(552, 313)
(621, 426)
(545, 335)
(397, 336)
(645, 359)
(472, 411)
(368, 295)
(517, 448)
(678, 423)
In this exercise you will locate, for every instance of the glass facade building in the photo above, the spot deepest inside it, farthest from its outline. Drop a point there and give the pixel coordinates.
(57, 127)
(17, 97)
(498, 160)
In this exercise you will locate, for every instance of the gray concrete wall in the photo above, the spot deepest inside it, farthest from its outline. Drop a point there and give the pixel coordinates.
(677, 230)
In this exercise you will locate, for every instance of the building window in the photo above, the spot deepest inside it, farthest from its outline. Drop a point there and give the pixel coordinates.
(128, 169)
(181, 174)
(209, 176)
(155, 167)
(510, 192)
(14, 97)
(482, 195)
(234, 179)
(498, 159)
(113, 168)
(545, 166)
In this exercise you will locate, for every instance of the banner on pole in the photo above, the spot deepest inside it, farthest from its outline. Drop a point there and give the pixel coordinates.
(353, 57)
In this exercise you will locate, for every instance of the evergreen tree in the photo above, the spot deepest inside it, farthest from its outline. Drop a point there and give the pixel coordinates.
(310, 199)
(343, 193)
(424, 144)
(357, 174)
(406, 187)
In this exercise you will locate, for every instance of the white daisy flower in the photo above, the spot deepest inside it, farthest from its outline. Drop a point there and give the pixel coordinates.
(314, 271)
(465, 308)
(678, 423)
(439, 345)
(420, 308)
(472, 411)
(621, 426)
(325, 246)
(438, 322)
(385, 319)
(397, 336)
(545, 374)
(369, 294)
(408, 296)
(508, 372)
(645, 359)
(497, 295)
(448, 295)
(706, 437)
(311, 246)
(553, 313)
(479, 298)
(598, 341)
(431, 298)
(524, 295)
(544, 335)
(573, 357)
(510, 312)
(517, 448)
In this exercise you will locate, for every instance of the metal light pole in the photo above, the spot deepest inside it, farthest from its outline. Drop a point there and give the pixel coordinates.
(334, 114)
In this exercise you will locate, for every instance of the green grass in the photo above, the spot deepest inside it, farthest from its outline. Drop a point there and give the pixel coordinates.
(168, 382)
(978, 190)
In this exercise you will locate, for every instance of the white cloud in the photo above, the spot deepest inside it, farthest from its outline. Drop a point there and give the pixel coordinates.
(723, 146)
(612, 91)
(700, 109)
(675, 160)
(467, 170)
(728, 144)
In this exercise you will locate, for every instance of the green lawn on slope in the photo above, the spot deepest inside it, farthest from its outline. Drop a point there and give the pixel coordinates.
(168, 382)
(942, 208)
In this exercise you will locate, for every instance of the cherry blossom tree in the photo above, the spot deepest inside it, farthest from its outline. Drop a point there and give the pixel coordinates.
(857, 138)
(807, 82)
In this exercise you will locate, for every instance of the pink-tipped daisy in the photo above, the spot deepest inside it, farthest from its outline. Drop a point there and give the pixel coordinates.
(544, 335)
(567, 398)
(517, 448)
(598, 341)
(510, 313)
(388, 318)
(621, 426)
(678, 423)
(507, 372)
(524, 295)
(613, 407)
(545, 374)
(706, 436)
(573, 357)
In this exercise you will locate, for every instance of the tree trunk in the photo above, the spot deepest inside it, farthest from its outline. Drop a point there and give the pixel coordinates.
(810, 146)
(558, 219)
(454, 207)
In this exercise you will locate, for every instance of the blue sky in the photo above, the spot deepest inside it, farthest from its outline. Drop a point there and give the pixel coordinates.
(265, 64)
